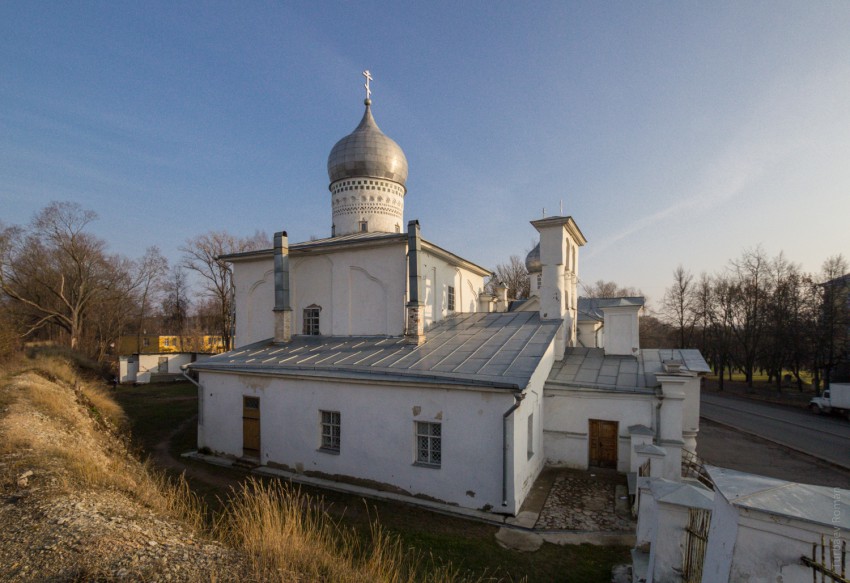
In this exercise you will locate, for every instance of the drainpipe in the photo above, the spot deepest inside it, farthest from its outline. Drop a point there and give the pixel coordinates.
(184, 369)
(518, 397)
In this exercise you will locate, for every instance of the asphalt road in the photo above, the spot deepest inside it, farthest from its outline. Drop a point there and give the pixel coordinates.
(823, 437)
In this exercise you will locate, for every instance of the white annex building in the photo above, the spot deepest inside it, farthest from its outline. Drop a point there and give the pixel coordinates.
(376, 358)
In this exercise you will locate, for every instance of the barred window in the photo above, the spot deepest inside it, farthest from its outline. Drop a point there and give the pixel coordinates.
(428, 443)
(450, 296)
(331, 430)
(311, 320)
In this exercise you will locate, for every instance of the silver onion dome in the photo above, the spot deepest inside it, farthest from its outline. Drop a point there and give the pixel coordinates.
(532, 260)
(367, 152)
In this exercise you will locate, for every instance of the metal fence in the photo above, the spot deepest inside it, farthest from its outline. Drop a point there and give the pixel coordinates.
(692, 467)
(829, 560)
(696, 540)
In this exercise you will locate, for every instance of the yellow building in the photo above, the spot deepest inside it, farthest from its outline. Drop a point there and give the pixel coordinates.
(166, 344)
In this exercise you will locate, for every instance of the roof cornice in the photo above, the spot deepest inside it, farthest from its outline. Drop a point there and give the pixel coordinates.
(567, 222)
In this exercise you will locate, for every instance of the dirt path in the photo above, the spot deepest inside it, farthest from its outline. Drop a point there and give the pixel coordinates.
(162, 456)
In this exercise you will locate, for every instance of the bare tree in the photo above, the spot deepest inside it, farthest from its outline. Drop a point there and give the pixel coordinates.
(751, 274)
(514, 275)
(150, 271)
(175, 302)
(721, 316)
(832, 337)
(678, 306)
(203, 255)
(609, 289)
(55, 271)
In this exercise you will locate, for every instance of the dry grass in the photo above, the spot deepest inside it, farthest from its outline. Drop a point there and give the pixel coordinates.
(61, 425)
(288, 535)
(102, 404)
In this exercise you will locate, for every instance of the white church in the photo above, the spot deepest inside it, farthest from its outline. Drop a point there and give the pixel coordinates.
(376, 358)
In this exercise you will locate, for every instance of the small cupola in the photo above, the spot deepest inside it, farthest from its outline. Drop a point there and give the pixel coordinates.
(368, 176)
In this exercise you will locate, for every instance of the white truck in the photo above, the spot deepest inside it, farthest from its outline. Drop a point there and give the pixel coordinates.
(835, 399)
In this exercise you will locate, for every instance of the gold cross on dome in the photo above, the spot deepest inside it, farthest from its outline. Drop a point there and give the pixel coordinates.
(368, 76)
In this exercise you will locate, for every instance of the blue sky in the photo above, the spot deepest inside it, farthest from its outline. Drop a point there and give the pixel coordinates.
(673, 132)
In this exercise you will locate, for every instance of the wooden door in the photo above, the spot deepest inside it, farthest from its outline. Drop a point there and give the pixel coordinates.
(602, 437)
(251, 427)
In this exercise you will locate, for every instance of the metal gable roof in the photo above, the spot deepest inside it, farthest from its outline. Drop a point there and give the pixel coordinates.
(498, 350)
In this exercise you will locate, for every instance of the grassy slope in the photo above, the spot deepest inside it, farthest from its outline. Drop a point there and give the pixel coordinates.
(155, 411)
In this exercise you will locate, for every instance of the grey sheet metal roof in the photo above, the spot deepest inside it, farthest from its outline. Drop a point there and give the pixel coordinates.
(499, 350)
(818, 504)
(690, 495)
(591, 368)
(590, 309)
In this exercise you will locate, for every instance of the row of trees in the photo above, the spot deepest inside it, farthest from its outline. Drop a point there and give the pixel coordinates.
(764, 314)
(59, 282)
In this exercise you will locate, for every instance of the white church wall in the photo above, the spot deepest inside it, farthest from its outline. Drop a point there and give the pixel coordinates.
(361, 291)
(566, 419)
(529, 455)
(254, 299)
(621, 332)
(690, 417)
(668, 545)
(378, 429)
(438, 274)
(589, 335)
(753, 545)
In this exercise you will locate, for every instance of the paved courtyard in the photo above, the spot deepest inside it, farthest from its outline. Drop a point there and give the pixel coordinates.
(584, 501)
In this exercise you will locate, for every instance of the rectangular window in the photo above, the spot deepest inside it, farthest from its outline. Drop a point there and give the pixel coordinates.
(429, 443)
(450, 296)
(530, 444)
(364, 226)
(331, 434)
(311, 320)
(166, 342)
(146, 342)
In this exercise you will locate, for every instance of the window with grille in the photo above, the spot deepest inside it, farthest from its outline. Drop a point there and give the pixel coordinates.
(331, 434)
(428, 443)
(311, 320)
(450, 296)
